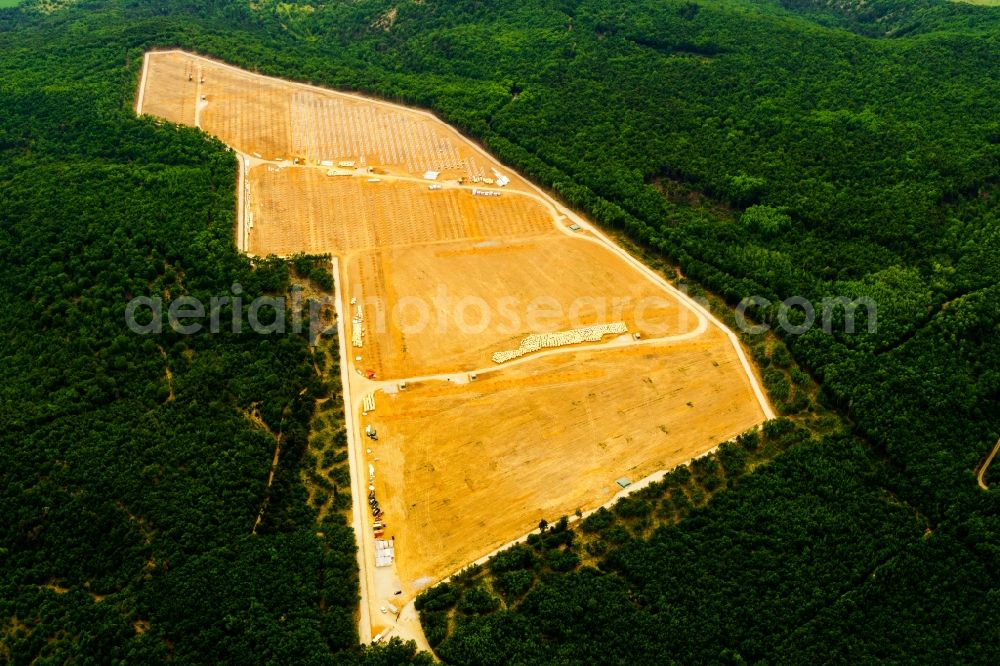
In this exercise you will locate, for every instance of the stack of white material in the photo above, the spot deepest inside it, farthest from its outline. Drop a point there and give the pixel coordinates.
(385, 552)
(357, 331)
(368, 402)
(537, 341)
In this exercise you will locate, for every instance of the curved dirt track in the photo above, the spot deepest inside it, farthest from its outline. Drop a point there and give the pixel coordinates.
(981, 474)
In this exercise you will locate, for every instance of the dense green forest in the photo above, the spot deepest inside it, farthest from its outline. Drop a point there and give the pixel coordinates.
(774, 148)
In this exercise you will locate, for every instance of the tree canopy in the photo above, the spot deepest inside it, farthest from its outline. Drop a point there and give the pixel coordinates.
(776, 148)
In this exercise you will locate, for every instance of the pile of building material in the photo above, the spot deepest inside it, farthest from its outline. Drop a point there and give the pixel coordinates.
(476, 192)
(357, 328)
(385, 552)
(368, 403)
(537, 341)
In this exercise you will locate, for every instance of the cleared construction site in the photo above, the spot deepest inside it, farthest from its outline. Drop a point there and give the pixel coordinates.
(488, 459)
(503, 361)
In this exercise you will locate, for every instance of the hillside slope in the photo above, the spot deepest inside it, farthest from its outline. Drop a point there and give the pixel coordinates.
(760, 149)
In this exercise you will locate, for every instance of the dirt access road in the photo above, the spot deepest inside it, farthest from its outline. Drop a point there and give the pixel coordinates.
(981, 474)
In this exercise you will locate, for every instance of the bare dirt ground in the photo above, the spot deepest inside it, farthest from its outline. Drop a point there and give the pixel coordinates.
(447, 307)
(272, 118)
(467, 466)
(302, 209)
(171, 95)
(462, 467)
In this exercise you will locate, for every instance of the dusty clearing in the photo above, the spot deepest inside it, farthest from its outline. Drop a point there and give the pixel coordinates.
(445, 308)
(301, 209)
(440, 271)
(468, 466)
(282, 120)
